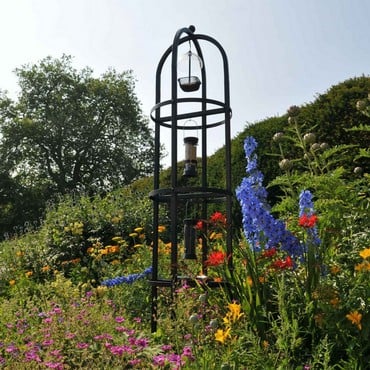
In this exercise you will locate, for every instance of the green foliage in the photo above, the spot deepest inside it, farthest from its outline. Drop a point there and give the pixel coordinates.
(71, 132)
(310, 313)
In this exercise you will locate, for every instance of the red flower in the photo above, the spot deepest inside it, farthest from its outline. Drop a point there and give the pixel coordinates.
(269, 252)
(200, 225)
(283, 264)
(308, 221)
(218, 217)
(215, 258)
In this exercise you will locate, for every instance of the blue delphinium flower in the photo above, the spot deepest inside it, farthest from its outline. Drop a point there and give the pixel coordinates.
(129, 279)
(305, 203)
(260, 227)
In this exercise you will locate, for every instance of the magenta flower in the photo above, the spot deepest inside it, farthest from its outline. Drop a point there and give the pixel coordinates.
(82, 345)
(54, 365)
(32, 356)
(70, 335)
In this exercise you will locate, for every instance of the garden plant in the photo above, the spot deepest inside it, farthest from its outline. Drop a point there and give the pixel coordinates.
(75, 292)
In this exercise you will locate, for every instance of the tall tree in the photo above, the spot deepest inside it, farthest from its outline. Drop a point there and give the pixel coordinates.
(69, 130)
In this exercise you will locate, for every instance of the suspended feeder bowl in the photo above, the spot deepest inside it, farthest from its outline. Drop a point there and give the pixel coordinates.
(189, 84)
(191, 64)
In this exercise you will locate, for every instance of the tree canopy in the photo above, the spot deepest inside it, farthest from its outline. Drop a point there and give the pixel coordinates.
(71, 131)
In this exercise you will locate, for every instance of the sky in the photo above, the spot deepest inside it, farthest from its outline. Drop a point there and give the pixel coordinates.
(280, 52)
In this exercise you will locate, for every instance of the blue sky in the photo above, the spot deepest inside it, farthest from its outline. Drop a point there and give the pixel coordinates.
(281, 52)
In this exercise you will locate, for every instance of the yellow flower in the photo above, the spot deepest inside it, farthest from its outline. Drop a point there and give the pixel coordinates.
(138, 229)
(19, 254)
(101, 290)
(132, 235)
(222, 335)
(215, 236)
(235, 311)
(365, 253)
(29, 273)
(103, 251)
(90, 250)
(116, 219)
(355, 318)
(12, 282)
(117, 238)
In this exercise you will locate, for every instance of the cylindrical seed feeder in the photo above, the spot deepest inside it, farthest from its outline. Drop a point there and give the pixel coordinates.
(189, 239)
(190, 168)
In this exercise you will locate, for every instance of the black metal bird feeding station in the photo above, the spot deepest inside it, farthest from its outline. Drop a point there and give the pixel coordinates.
(188, 199)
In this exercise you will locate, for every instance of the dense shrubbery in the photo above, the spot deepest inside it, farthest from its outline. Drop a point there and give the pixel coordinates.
(298, 297)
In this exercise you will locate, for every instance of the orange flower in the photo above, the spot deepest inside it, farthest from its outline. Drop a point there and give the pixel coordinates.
(365, 253)
(249, 281)
(363, 266)
(113, 248)
(334, 269)
(161, 229)
(29, 273)
(355, 318)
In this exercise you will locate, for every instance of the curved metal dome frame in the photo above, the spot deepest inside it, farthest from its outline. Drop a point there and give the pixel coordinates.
(174, 197)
